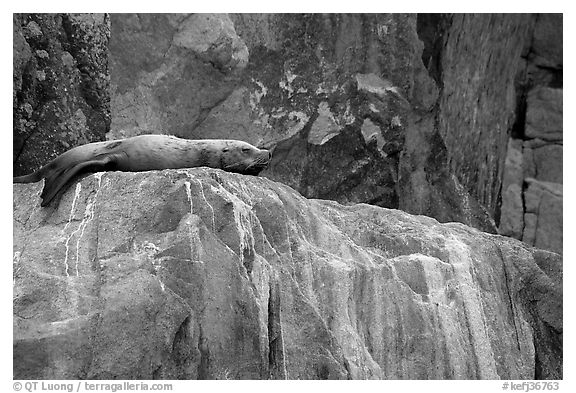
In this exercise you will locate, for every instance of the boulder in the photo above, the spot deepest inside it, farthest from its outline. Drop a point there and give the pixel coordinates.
(512, 210)
(547, 45)
(544, 160)
(543, 203)
(544, 114)
(169, 70)
(203, 274)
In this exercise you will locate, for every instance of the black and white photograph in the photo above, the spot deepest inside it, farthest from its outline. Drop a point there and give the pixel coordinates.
(286, 196)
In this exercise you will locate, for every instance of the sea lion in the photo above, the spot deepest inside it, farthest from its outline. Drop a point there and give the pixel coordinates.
(146, 153)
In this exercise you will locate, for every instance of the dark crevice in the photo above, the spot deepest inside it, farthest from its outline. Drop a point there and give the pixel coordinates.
(431, 30)
(157, 373)
(520, 118)
(537, 364)
(348, 369)
(498, 207)
(523, 196)
(510, 300)
(248, 260)
(181, 337)
(276, 365)
(203, 366)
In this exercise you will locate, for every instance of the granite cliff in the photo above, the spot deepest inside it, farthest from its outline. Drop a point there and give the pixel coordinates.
(203, 274)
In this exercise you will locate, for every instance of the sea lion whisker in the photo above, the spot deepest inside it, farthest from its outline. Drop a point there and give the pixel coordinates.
(231, 166)
(255, 164)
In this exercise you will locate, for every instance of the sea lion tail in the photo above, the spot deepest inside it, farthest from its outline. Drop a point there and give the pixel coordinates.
(56, 181)
(31, 178)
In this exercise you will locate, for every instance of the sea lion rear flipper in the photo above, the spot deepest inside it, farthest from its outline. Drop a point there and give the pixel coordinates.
(31, 178)
(58, 180)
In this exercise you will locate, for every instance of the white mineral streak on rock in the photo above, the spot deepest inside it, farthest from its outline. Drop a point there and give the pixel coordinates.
(15, 265)
(209, 205)
(263, 89)
(88, 216)
(201, 188)
(242, 212)
(151, 250)
(195, 242)
(76, 196)
(396, 122)
(288, 84)
(242, 189)
(256, 96)
(372, 83)
(382, 31)
(473, 307)
(348, 116)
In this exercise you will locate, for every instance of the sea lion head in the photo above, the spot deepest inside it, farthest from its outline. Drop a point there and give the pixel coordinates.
(242, 157)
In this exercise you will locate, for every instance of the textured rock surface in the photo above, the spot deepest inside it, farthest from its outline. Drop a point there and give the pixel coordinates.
(401, 111)
(544, 114)
(532, 197)
(543, 201)
(477, 104)
(345, 99)
(61, 93)
(205, 274)
(512, 210)
(533, 175)
(543, 160)
(539, 129)
(169, 70)
(547, 43)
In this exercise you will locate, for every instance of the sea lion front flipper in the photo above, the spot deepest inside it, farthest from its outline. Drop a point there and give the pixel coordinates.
(57, 180)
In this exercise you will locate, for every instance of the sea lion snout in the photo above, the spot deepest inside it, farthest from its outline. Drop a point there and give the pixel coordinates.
(267, 156)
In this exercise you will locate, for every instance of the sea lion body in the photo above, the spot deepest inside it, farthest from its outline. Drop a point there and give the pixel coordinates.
(145, 153)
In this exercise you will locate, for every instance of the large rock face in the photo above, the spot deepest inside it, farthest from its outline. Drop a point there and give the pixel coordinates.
(205, 274)
(478, 101)
(401, 111)
(353, 112)
(61, 92)
(169, 70)
(532, 198)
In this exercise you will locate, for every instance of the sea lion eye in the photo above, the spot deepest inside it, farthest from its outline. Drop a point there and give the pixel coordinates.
(245, 149)
(224, 150)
